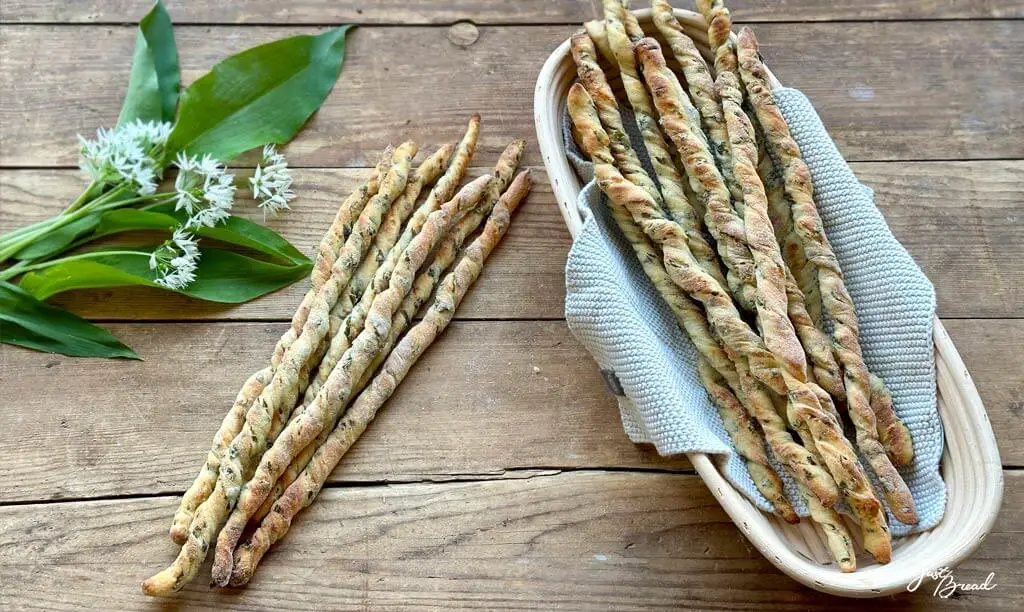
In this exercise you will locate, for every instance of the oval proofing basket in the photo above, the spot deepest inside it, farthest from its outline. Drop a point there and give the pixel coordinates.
(970, 463)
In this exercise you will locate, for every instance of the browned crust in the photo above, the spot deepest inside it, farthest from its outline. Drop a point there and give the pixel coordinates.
(835, 299)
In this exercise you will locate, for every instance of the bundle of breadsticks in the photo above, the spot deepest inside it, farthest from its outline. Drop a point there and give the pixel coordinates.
(727, 230)
(350, 344)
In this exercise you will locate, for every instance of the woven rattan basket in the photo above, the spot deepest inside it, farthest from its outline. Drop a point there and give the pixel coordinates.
(970, 463)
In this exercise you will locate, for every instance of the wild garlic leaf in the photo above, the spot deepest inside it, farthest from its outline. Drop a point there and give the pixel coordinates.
(28, 322)
(58, 240)
(222, 276)
(155, 77)
(259, 96)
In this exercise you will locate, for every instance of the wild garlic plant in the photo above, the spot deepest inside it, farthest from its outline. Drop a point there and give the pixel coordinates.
(125, 166)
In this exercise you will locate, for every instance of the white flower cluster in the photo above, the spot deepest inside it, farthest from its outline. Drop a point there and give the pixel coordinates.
(127, 153)
(272, 183)
(204, 190)
(176, 260)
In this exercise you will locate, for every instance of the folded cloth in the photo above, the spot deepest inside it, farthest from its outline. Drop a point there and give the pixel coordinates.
(650, 364)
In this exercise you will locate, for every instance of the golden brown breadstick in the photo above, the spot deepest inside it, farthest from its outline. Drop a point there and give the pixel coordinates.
(362, 412)
(331, 243)
(595, 30)
(207, 478)
(705, 180)
(421, 291)
(701, 87)
(748, 439)
(278, 398)
(669, 179)
(743, 345)
(892, 432)
(442, 192)
(835, 299)
(334, 395)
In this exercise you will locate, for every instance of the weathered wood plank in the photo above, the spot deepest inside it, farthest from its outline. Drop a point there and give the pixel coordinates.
(473, 406)
(145, 426)
(572, 541)
(524, 278)
(962, 222)
(418, 12)
(918, 99)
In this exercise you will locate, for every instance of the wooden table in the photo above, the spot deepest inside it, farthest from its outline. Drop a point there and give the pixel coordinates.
(499, 476)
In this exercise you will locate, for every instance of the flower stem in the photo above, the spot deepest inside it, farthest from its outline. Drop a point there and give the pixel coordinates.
(80, 256)
(13, 271)
(83, 198)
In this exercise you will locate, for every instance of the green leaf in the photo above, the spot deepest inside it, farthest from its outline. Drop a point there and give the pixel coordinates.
(259, 96)
(28, 322)
(155, 78)
(222, 276)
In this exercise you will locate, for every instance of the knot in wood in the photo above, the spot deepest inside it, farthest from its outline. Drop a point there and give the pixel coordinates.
(463, 34)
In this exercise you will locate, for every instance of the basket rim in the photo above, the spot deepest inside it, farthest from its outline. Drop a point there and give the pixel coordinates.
(952, 377)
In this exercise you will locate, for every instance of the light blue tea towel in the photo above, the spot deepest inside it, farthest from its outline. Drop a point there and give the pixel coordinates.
(619, 317)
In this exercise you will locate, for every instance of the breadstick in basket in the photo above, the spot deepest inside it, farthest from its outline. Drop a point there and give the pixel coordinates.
(362, 412)
(737, 338)
(701, 88)
(661, 157)
(835, 299)
(705, 180)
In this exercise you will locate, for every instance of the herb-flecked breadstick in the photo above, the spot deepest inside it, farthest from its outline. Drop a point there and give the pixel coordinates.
(329, 246)
(891, 430)
(741, 343)
(454, 287)
(722, 314)
(748, 440)
(595, 29)
(277, 400)
(207, 478)
(705, 180)
(335, 393)
(391, 227)
(421, 291)
(442, 192)
(836, 535)
(775, 284)
(835, 299)
(701, 87)
(657, 149)
(719, 30)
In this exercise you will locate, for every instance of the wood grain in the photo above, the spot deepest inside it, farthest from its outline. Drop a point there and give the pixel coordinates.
(569, 541)
(472, 406)
(884, 90)
(143, 427)
(418, 12)
(924, 203)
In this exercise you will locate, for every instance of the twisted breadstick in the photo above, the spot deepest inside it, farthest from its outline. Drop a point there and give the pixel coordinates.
(705, 180)
(421, 291)
(748, 440)
(835, 299)
(454, 287)
(330, 244)
(701, 87)
(442, 192)
(892, 432)
(334, 395)
(278, 397)
(661, 157)
(207, 478)
(391, 227)
(742, 345)
(386, 237)
(595, 30)
(737, 335)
